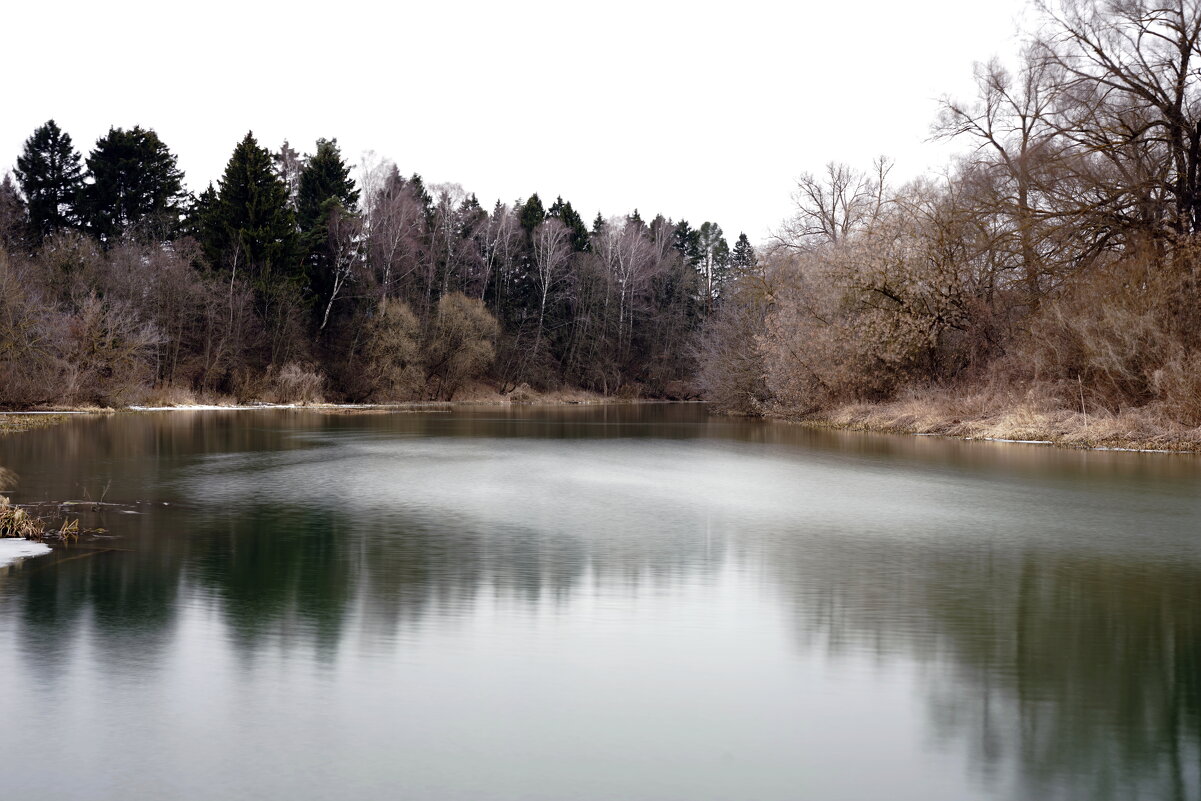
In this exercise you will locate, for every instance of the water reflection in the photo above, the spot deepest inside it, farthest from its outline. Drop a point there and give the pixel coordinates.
(1048, 603)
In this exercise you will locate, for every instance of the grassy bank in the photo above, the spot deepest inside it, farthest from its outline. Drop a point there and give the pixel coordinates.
(14, 422)
(987, 417)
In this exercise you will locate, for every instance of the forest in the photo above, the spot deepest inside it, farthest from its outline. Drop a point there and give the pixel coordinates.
(1044, 285)
(296, 279)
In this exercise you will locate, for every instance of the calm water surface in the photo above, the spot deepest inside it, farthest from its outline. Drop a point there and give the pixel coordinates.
(598, 603)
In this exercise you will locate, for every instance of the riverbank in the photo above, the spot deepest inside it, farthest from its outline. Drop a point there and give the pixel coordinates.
(12, 422)
(982, 417)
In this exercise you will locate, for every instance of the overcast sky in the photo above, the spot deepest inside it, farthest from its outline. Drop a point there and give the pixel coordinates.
(698, 111)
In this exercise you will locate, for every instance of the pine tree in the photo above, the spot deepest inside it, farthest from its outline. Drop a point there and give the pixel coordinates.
(133, 186)
(50, 175)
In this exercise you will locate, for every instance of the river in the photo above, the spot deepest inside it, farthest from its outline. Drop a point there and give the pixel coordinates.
(615, 602)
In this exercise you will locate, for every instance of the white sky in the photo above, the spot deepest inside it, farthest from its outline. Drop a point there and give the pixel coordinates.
(696, 110)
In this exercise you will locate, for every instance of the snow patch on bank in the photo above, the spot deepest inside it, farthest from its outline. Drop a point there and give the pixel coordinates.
(13, 550)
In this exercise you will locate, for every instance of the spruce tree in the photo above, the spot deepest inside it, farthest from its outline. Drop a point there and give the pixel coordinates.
(573, 222)
(531, 214)
(417, 186)
(325, 176)
(326, 193)
(50, 175)
(14, 219)
(743, 256)
(133, 186)
(687, 241)
(248, 227)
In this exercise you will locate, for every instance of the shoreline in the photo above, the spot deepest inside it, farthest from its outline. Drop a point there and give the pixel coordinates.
(13, 420)
(14, 550)
(1131, 431)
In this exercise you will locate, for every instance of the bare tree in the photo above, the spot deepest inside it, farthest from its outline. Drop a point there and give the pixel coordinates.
(552, 248)
(1130, 101)
(1011, 120)
(344, 235)
(831, 207)
(393, 221)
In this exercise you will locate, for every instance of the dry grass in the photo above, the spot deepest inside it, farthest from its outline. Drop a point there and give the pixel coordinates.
(171, 395)
(17, 522)
(999, 417)
(10, 423)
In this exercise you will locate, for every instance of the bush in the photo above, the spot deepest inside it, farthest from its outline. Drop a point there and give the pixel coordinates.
(295, 383)
(462, 344)
(392, 355)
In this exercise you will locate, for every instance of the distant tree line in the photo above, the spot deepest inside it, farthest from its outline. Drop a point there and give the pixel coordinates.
(290, 279)
(1056, 264)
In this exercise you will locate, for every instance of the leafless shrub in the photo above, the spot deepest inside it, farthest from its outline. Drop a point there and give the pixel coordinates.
(461, 345)
(1177, 386)
(392, 355)
(295, 383)
(523, 394)
(113, 350)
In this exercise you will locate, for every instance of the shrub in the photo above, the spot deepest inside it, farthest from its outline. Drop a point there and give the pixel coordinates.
(461, 346)
(392, 355)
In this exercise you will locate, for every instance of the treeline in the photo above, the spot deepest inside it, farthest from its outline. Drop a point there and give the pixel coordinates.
(1056, 265)
(293, 280)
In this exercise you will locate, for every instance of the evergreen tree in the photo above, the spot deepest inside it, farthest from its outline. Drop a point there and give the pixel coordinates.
(471, 213)
(598, 224)
(247, 226)
(417, 185)
(327, 196)
(743, 256)
(687, 242)
(325, 176)
(531, 214)
(133, 185)
(14, 220)
(50, 175)
(573, 222)
(202, 208)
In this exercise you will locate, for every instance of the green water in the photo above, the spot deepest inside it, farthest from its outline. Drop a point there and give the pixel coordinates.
(597, 603)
